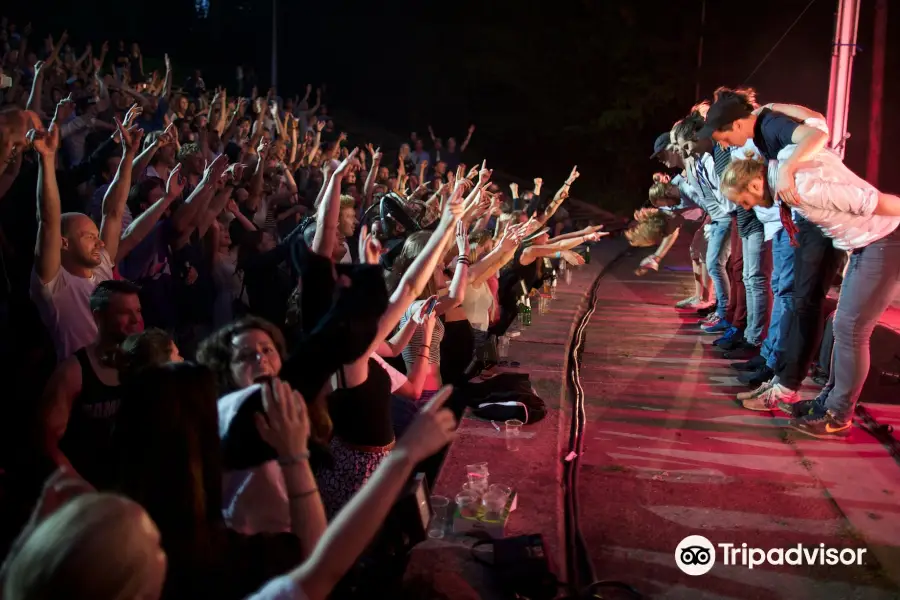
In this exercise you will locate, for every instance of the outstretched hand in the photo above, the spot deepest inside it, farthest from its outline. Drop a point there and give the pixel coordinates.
(432, 429)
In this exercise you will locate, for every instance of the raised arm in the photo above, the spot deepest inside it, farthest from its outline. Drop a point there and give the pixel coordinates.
(117, 194)
(369, 190)
(329, 209)
(167, 86)
(37, 85)
(468, 139)
(49, 214)
(144, 224)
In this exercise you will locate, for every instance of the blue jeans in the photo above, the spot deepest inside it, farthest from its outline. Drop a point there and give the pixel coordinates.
(872, 280)
(717, 250)
(757, 263)
(783, 296)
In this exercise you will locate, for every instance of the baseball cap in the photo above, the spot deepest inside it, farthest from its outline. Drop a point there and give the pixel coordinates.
(662, 141)
(723, 112)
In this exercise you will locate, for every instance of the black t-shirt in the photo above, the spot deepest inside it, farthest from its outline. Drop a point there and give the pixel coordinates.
(772, 132)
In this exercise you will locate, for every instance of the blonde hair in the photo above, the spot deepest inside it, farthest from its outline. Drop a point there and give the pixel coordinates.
(650, 228)
(347, 201)
(740, 173)
(412, 248)
(660, 191)
(96, 546)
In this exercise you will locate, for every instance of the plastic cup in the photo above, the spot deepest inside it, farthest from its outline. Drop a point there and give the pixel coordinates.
(494, 503)
(513, 434)
(502, 346)
(467, 503)
(478, 475)
(497, 488)
(440, 509)
(475, 490)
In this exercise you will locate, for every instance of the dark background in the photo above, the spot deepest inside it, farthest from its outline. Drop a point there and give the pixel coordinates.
(548, 83)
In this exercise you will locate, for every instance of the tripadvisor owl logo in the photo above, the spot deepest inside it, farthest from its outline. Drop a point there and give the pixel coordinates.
(695, 555)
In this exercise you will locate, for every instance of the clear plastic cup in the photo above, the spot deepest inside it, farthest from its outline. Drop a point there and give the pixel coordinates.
(477, 476)
(467, 503)
(502, 346)
(494, 504)
(513, 434)
(440, 511)
(499, 488)
(475, 490)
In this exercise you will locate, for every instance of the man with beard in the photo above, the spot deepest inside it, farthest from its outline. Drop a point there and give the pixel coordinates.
(71, 255)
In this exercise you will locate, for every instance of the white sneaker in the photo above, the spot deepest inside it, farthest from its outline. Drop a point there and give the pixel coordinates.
(687, 302)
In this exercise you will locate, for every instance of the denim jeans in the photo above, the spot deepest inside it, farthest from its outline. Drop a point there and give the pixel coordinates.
(815, 267)
(717, 251)
(757, 265)
(872, 280)
(783, 297)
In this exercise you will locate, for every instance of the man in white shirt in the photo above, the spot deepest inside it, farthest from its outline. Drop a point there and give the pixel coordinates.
(856, 217)
(72, 256)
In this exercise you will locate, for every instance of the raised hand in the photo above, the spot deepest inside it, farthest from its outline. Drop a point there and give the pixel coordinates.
(235, 172)
(462, 238)
(595, 236)
(320, 126)
(263, 148)
(45, 143)
(285, 422)
(133, 113)
(473, 173)
(485, 174)
(573, 175)
(175, 184)
(431, 430)
(345, 165)
(213, 171)
(130, 137)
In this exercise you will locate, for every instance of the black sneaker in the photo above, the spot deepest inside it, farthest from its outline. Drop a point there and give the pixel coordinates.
(820, 378)
(705, 312)
(824, 426)
(798, 410)
(754, 364)
(742, 350)
(756, 378)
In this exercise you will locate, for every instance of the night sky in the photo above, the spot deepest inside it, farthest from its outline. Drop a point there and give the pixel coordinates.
(548, 84)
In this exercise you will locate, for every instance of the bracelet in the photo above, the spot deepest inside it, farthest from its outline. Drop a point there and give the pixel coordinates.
(295, 459)
(463, 260)
(302, 495)
(559, 254)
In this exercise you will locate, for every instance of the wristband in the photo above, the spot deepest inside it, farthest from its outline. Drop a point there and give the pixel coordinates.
(463, 260)
(295, 459)
(559, 254)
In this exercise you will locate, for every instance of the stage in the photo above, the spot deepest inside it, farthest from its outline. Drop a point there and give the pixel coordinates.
(668, 453)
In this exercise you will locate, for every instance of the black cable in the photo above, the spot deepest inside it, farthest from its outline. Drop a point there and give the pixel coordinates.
(579, 565)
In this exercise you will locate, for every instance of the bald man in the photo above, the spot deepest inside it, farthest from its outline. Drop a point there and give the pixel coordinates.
(72, 256)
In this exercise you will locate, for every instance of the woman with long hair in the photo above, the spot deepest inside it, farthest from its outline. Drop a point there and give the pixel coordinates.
(170, 461)
(83, 545)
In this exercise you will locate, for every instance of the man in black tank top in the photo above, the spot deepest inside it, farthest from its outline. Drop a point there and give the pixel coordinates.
(82, 398)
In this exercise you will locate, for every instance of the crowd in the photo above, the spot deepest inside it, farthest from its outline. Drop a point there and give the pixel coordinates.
(243, 332)
(779, 215)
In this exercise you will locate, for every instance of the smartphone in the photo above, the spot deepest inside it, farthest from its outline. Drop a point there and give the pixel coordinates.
(431, 305)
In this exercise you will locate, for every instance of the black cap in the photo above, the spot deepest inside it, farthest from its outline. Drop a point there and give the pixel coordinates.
(722, 113)
(661, 143)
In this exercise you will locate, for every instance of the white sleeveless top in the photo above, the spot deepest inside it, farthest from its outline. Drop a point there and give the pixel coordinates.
(477, 304)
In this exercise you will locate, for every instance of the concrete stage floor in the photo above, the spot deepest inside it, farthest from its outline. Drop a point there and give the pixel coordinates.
(668, 454)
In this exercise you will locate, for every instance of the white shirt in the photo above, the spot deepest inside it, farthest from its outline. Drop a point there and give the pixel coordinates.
(837, 200)
(253, 500)
(64, 304)
(704, 176)
(346, 259)
(477, 305)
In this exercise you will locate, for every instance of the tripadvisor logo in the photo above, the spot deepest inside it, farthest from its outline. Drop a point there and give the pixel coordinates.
(696, 555)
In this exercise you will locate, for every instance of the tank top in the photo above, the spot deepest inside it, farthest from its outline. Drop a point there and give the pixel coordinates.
(87, 442)
(418, 340)
(477, 304)
(362, 415)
